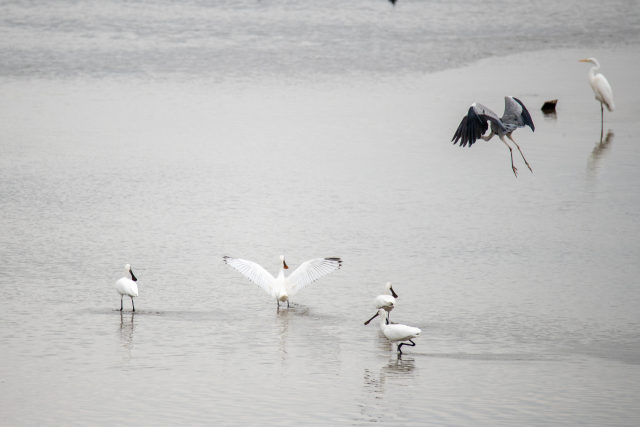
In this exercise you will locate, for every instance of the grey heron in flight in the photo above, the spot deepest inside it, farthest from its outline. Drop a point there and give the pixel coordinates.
(601, 88)
(475, 124)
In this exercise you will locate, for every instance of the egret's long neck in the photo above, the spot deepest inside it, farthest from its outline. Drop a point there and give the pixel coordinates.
(592, 72)
(127, 274)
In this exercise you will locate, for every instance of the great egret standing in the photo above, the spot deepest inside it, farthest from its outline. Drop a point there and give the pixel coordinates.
(385, 301)
(601, 88)
(475, 124)
(281, 288)
(127, 286)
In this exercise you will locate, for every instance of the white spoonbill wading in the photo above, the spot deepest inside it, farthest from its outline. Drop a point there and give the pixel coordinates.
(385, 301)
(127, 286)
(474, 125)
(397, 333)
(601, 88)
(281, 288)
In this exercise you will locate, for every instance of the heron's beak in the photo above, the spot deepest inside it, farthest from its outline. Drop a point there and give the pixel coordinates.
(393, 294)
(132, 276)
(367, 322)
(584, 60)
(285, 265)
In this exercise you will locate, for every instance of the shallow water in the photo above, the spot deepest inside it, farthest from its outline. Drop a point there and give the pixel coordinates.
(525, 288)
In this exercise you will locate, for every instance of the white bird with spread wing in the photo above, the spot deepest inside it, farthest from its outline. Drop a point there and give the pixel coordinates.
(281, 288)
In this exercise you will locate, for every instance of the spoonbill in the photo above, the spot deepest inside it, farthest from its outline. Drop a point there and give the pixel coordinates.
(281, 288)
(474, 125)
(127, 286)
(397, 333)
(601, 88)
(385, 301)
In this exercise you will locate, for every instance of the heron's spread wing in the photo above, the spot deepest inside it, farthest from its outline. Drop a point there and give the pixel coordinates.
(516, 114)
(475, 124)
(254, 272)
(311, 271)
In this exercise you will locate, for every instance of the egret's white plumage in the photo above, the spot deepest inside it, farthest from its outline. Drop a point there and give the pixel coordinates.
(280, 287)
(601, 88)
(398, 333)
(127, 286)
(385, 301)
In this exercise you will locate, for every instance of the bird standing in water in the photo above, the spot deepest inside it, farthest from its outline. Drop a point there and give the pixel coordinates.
(601, 88)
(396, 332)
(385, 301)
(127, 286)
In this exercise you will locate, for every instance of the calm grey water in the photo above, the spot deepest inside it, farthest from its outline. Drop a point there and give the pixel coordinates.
(167, 135)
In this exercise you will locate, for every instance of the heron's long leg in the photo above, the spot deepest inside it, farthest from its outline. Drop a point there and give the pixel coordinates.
(121, 296)
(133, 305)
(601, 120)
(287, 303)
(515, 170)
(525, 160)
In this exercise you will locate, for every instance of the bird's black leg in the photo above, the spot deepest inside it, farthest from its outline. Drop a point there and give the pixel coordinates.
(404, 343)
(515, 170)
(525, 160)
(287, 303)
(601, 121)
(121, 296)
(133, 305)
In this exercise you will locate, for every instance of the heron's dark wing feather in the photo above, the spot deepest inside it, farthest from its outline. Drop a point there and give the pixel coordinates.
(515, 113)
(475, 124)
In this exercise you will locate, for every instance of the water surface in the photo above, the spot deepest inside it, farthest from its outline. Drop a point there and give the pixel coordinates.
(273, 128)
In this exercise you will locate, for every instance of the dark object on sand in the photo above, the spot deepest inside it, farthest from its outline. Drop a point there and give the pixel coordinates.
(393, 2)
(549, 106)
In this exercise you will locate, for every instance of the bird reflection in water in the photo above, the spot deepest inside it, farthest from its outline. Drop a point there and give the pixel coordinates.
(397, 371)
(599, 152)
(283, 326)
(127, 326)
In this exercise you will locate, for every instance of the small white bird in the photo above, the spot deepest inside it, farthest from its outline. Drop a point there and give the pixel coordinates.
(281, 288)
(385, 301)
(127, 286)
(601, 88)
(396, 332)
